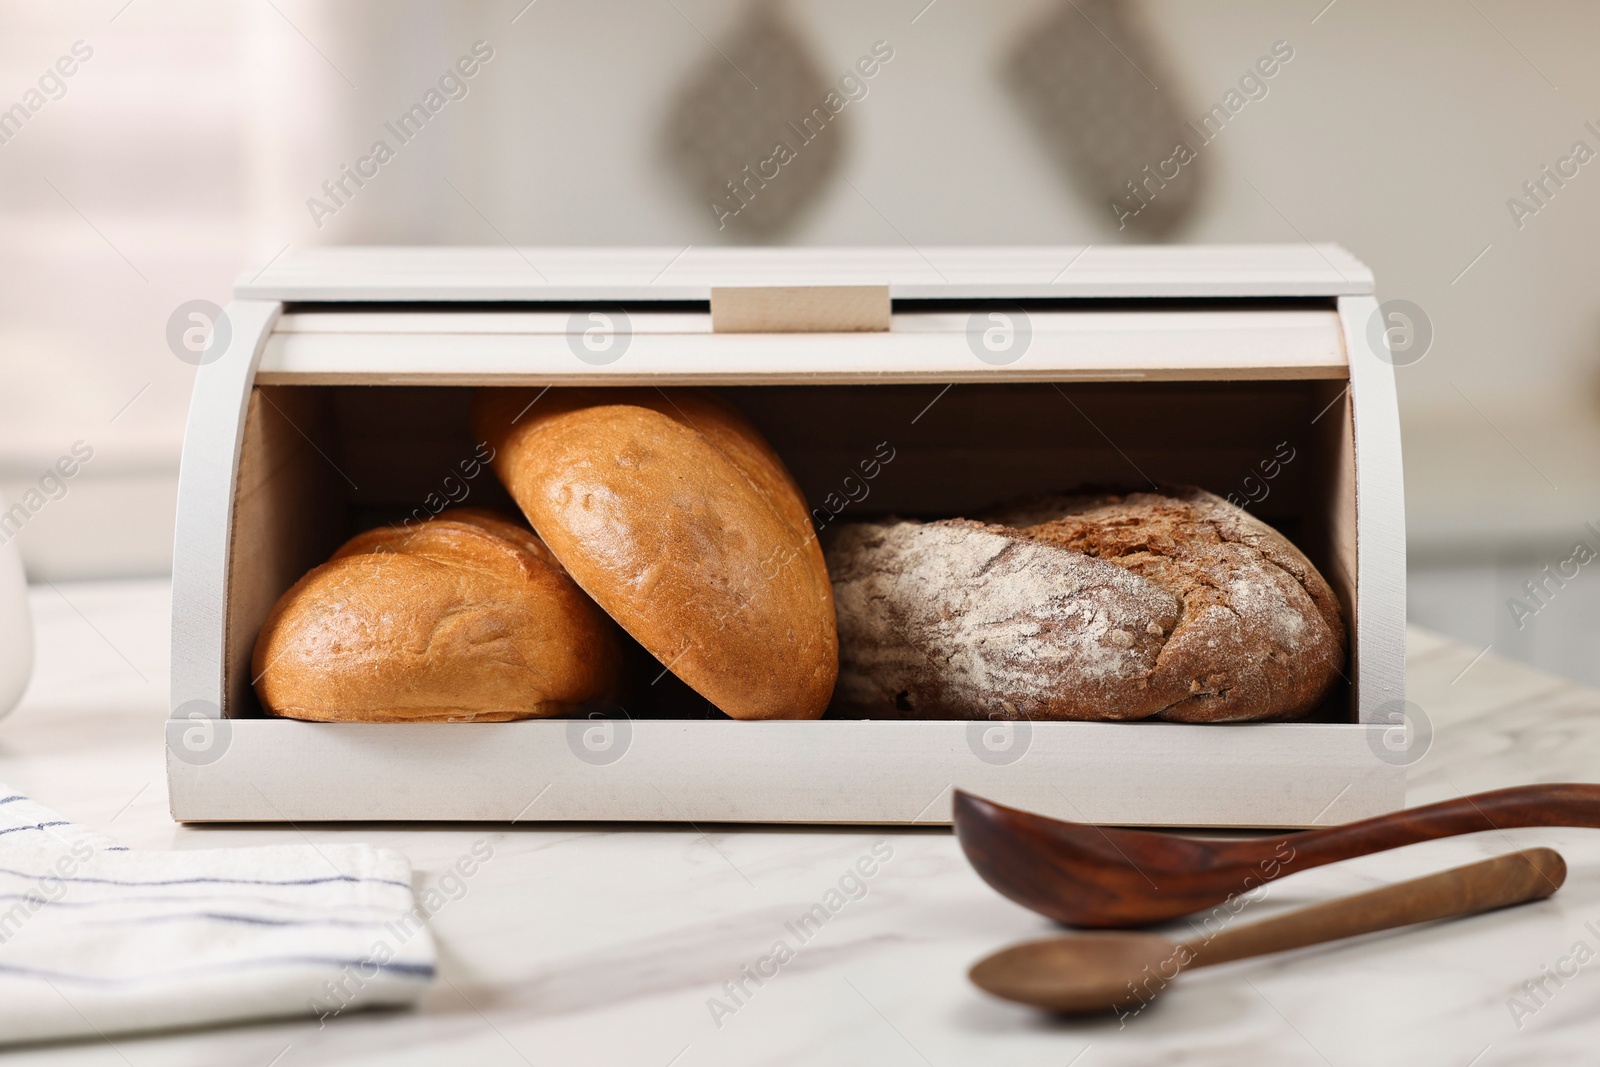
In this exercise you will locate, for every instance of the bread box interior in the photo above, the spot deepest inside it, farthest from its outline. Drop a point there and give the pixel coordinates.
(350, 410)
(321, 463)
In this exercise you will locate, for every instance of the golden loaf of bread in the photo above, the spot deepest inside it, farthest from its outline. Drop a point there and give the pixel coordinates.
(464, 617)
(670, 510)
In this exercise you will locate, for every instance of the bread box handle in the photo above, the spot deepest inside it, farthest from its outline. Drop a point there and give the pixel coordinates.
(800, 309)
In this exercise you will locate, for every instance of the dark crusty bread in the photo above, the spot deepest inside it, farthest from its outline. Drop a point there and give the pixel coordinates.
(464, 617)
(955, 619)
(673, 513)
(1175, 605)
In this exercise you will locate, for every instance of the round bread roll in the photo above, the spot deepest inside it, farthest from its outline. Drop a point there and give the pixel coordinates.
(1174, 605)
(466, 617)
(669, 509)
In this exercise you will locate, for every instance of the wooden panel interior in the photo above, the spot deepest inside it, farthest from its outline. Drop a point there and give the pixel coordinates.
(358, 456)
(287, 517)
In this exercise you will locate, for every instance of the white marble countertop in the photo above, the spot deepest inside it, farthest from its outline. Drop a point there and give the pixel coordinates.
(585, 945)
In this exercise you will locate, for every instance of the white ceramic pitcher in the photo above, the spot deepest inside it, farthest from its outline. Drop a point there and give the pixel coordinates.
(16, 623)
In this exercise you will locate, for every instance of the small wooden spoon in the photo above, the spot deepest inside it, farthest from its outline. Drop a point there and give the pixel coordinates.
(1103, 972)
(1086, 875)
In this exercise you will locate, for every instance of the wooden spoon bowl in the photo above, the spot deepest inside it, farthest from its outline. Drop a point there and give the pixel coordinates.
(1082, 973)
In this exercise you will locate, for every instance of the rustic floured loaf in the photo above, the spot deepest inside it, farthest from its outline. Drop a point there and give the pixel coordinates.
(1175, 605)
(673, 513)
(464, 617)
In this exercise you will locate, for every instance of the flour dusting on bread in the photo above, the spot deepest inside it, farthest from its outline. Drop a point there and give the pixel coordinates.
(1174, 605)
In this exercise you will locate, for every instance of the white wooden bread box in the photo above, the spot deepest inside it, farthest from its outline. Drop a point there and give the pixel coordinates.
(340, 401)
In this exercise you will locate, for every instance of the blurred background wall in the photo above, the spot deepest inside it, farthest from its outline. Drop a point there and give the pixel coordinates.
(183, 151)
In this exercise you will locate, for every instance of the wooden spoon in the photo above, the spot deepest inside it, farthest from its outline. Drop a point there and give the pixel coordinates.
(1101, 972)
(1086, 875)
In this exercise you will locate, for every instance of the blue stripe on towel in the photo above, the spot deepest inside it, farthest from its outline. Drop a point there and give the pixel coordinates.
(40, 901)
(424, 971)
(209, 881)
(34, 826)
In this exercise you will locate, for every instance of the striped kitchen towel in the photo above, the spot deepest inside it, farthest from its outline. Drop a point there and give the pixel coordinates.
(97, 939)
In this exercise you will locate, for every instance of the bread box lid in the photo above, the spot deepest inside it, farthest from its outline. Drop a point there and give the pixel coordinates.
(360, 275)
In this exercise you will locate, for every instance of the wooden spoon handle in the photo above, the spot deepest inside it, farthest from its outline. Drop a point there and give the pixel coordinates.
(1510, 879)
(1549, 804)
